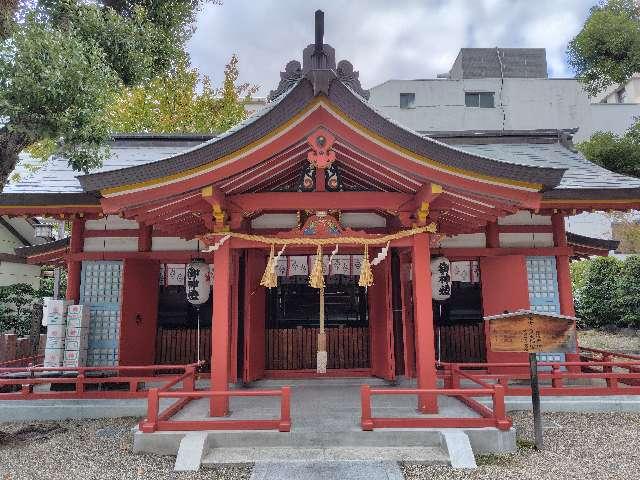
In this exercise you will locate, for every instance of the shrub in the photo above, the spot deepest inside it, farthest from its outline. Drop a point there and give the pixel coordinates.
(16, 303)
(597, 290)
(628, 292)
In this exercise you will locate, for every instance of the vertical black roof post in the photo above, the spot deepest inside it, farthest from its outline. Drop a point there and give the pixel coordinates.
(319, 31)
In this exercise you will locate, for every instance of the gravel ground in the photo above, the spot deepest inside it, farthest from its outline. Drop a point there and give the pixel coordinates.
(599, 446)
(88, 449)
(618, 342)
(585, 446)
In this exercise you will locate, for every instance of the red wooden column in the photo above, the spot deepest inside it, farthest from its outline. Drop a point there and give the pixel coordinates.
(562, 266)
(219, 406)
(423, 322)
(492, 235)
(74, 267)
(145, 237)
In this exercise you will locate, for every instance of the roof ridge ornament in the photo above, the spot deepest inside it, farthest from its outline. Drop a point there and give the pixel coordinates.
(319, 67)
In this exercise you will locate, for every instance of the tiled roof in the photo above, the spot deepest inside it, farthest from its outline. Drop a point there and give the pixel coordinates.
(126, 151)
(581, 178)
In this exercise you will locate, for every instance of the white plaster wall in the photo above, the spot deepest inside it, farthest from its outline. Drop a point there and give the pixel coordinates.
(8, 242)
(473, 240)
(111, 244)
(363, 220)
(275, 220)
(526, 240)
(524, 217)
(110, 222)
(163, 244)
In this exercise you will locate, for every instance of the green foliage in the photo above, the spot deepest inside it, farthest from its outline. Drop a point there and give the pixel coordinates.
(182, 101)
(62, 62)
(596, 288)
(607, 49)
(628, 292)
(16, 303)
(620, 154)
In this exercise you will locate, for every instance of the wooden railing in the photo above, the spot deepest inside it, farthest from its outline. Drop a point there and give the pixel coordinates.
(461, 343)
(157, 420)
(115, 382)
(295, 348)
(180, 346)
(495, 417)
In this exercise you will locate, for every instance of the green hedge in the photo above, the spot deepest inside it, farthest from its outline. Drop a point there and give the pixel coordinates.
(606, 291)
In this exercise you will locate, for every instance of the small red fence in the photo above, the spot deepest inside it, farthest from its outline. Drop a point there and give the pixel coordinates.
(21, 351)
(488, 417)
(117, 382)
(161, 420)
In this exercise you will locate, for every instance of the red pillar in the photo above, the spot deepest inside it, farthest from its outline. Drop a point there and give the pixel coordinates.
(145, 235)
(219, 406)
(423, 322)
(74, 267)
(562, 266)
(492, 235)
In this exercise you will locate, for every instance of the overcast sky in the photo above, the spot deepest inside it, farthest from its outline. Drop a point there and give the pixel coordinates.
(383, 39)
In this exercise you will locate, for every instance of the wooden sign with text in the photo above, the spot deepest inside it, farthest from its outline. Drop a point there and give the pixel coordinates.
(532, 332)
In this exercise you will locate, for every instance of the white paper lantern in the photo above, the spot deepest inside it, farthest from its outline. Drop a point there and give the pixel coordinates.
(440, 278)
(198, 281)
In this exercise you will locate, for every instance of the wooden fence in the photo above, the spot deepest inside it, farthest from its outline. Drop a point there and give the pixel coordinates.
(179, 346)
(13, 349)
(461, 343)
(295, 348)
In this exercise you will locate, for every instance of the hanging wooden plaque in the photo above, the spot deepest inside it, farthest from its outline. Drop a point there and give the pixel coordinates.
(532, 332)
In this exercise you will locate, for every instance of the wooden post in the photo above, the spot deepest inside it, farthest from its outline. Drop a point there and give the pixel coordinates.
(535, 399)
(74, 267)
(492, 235)
(219, 405)
(565, 293)
(423, 315)
(145, 237)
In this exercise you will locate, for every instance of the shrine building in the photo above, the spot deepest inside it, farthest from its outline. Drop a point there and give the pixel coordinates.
(318, 207)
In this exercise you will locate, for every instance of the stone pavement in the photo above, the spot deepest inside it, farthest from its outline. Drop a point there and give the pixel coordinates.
(327, 471)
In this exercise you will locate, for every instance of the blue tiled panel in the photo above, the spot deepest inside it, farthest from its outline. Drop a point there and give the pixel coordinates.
(100, 289)
(543, 294)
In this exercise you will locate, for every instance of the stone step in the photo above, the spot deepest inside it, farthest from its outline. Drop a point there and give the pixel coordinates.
(310, 439)
(423, 455)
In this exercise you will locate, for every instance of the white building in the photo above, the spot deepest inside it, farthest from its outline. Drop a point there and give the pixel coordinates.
(509, 89)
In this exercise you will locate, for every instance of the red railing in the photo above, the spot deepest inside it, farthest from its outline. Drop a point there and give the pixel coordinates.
(488, 417)
(603, 378)
(161, 420)
(89, 382)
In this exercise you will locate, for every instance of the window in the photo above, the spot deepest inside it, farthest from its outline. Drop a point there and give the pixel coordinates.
(621, 95)
(407, 100)
(478, 99)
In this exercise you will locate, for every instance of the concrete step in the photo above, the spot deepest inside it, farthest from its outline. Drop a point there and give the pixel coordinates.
(310, 439)
(423, 455)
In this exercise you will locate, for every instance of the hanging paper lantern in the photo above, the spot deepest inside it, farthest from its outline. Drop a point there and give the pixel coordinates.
(440, 278)
(198, 281)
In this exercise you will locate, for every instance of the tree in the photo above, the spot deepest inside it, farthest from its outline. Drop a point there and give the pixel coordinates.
(607, 49)
(618, 153)
(16, 302)
(62, 62)
(181, 101)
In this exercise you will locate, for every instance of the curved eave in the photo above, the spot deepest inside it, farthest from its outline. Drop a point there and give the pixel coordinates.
(47, 203)
(293, 106)
(592, 198)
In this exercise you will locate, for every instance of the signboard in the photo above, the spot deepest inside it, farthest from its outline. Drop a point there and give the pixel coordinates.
(531, 332)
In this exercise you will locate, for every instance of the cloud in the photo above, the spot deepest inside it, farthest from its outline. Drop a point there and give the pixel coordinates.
(383, 39)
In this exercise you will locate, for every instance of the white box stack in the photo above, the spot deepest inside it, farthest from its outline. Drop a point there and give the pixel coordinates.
(56, 332)
(77, 336)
